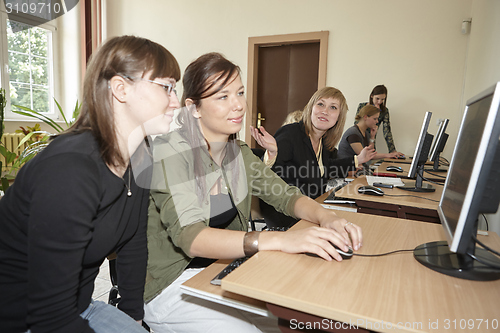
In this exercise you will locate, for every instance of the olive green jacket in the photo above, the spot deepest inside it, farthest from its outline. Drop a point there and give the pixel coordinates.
(178, 212)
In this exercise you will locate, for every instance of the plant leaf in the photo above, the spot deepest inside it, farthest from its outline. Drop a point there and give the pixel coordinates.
(33, 114)
(61, 111)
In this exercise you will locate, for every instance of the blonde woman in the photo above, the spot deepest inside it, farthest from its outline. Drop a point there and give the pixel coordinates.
(362, 135)
(307, 157)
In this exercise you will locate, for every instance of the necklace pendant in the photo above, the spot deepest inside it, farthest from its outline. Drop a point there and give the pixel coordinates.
(129, 193)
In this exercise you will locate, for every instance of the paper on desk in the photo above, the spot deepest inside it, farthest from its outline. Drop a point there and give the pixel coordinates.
(385, 180)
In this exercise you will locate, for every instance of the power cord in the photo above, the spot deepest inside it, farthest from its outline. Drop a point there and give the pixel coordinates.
(430, 181)
(486, 221)
(435, 175)
(484, 246)
(442, 158)
(483, 262)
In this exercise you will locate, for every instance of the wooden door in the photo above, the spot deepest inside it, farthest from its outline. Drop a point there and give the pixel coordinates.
(287, 78)
(283, 73)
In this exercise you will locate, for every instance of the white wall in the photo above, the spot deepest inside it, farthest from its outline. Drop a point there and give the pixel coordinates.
(415, 48)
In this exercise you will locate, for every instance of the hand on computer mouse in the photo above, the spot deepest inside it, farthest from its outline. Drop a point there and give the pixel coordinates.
(351, 233)
(313, 239)
(345, 255)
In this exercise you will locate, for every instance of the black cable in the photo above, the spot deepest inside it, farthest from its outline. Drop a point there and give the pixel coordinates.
(409, 195)
(484, 246)
(447, 162)
(430, 181)
(483, 262)
(391, 252)
(486, 221)
(436, 175)
(380, 254)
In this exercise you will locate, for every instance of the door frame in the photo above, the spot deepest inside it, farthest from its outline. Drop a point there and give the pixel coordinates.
(274, 40)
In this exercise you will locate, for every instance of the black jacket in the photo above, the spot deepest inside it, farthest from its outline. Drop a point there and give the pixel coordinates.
(297, 164)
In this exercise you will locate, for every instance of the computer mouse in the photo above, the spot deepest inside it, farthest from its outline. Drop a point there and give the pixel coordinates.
(402, 157)
(394, 168)
(371, 190)
(343, 254)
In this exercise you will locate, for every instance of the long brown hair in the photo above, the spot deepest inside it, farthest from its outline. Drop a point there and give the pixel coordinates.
(125, 55)
(203, 78)
(379, 90)
(332, 136)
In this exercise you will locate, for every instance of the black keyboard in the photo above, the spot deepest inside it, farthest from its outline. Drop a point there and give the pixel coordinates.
(332, 199)
(237, 262)
(228, 269)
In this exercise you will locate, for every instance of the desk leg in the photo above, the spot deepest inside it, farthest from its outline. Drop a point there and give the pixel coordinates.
(292, 321)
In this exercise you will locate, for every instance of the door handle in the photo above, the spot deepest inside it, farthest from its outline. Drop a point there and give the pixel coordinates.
(259, 119)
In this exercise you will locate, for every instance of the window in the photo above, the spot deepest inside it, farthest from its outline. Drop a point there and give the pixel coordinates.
(27, 66)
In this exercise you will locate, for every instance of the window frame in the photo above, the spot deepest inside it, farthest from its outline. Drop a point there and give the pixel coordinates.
(4, 63)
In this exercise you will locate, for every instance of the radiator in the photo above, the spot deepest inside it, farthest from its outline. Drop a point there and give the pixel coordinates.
(11, 142)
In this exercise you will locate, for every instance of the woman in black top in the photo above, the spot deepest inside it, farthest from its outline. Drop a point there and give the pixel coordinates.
(80, 200)
(307, 157)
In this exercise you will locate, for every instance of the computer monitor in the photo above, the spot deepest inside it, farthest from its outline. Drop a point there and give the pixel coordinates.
(419, 159)
(471, 188)
(438, 146)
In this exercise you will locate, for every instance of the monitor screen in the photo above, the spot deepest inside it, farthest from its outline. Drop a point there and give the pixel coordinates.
(417, 156)
(437, 143)
(470, 168)
(472, 187)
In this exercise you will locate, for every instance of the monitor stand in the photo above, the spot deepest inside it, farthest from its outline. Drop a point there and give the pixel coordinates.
(418, 185)
(435, 167)
(438, 257)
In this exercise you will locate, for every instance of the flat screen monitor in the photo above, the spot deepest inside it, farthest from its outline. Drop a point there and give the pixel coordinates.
(438, 145)
(419, 158)
(472, 188)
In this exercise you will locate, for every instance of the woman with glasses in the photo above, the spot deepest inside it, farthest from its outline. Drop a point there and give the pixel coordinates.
(203, 182)
(84, 197)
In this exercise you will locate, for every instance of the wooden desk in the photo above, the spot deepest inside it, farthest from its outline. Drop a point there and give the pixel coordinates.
(375, 293)
(200, 286)
(410, 205)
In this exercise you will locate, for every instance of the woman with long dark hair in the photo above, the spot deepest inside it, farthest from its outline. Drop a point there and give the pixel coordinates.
(203, 182)
(378, 98)
(79, 200)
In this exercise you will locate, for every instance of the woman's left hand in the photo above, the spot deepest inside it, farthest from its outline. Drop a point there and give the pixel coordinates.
(265, 140)
(367, 154)
(350, 231)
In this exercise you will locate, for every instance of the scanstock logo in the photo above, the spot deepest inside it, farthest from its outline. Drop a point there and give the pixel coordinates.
(37, 11)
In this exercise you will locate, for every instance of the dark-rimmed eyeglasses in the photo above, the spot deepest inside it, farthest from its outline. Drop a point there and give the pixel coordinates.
(169, 87)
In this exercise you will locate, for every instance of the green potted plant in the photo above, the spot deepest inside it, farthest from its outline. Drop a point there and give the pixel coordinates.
(8, 155)
(37, 138)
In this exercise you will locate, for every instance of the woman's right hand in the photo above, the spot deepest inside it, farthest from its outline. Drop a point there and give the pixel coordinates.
(366, 154)
(265, 140)
(394, 154)
(315, 240)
